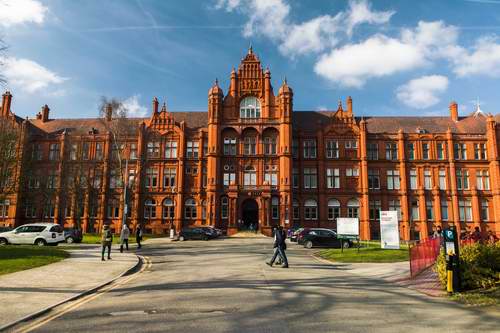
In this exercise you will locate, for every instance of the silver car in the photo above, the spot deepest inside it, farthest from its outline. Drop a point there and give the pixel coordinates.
(34, 234)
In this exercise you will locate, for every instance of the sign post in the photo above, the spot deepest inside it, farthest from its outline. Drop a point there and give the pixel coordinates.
(347, 228)
(452, 259)
(389, 230)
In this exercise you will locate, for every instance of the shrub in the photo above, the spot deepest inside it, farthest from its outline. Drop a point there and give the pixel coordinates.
(479, 266)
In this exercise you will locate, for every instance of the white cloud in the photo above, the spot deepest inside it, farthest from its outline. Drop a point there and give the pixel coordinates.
(28, 75)
(134, 109)
(271, 19)
(267, 18)
(483, 59)
(353, 64)
(360, 12)
(423, 92)
(14, 12)
(311, 36)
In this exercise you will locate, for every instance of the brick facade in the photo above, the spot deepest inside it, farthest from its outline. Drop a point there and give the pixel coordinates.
(252, 159)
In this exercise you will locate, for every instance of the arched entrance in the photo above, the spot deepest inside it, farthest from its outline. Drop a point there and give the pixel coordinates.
(249, 215)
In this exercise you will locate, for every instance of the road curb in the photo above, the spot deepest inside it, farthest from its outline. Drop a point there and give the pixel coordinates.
(72, 298)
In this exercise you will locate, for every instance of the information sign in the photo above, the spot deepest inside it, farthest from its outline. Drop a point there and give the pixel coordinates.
(389, 229)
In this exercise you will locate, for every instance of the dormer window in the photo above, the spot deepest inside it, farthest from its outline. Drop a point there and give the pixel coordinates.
(250, 108)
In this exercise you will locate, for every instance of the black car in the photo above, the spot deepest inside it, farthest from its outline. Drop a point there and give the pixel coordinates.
(73, 235)
(324, 238)
(196, 233)
(213, 231)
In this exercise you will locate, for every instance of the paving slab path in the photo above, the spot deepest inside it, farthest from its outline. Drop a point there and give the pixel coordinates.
(225, 286)
(26, 292)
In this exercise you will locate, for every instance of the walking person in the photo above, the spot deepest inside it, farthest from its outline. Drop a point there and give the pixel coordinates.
(138, 236)
(124, 235)
(280, 247)
(106, 241)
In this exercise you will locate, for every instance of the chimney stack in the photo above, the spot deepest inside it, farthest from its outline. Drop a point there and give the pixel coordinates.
(45, 113)
(6, 100)
(349, 105)
(109, 112)
(454, 111)
(155, 105)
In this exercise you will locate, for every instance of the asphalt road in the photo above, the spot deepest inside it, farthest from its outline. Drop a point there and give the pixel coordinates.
(225, 286)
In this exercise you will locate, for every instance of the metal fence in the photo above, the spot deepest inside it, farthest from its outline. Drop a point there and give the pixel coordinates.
(423, 254)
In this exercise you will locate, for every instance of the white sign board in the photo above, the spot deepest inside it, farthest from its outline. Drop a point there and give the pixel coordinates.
(347, 226)
(389, 229)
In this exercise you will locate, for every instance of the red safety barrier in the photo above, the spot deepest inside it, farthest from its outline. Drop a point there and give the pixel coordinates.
(423, 254)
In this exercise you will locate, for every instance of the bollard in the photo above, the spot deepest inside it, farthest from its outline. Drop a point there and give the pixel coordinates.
(449, 274)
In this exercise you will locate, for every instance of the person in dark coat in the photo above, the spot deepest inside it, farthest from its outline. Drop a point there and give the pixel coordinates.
(138, 236)
(280, 247)
(106, 241)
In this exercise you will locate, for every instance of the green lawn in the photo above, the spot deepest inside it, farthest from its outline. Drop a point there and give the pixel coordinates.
(14, 258)
(96, 238)
(369, 252)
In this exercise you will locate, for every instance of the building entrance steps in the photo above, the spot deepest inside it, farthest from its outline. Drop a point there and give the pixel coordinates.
(26, 293)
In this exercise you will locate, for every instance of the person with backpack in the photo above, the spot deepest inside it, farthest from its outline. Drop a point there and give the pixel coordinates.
(106, 241)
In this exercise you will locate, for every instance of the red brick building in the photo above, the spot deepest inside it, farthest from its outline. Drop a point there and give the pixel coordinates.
(252, 159)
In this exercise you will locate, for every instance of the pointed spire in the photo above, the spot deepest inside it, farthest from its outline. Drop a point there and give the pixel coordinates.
(164, 107)
(250, 49)
(340, 108)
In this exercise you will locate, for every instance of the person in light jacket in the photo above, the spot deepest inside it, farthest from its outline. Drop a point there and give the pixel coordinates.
(124, 235)
(106, 241)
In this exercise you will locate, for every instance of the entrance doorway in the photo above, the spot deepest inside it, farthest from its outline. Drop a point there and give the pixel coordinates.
(249, 215)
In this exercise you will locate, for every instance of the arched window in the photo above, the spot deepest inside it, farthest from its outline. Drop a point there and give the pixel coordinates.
(250, 176)
(275, 208)
(229, 146)
(250, 108)
(168, 209)
(353, 208)
(311, 210)
(150, 209)
(270, 146)
(333, 209)
(190, 209)
(249, 145)
(224, 205)
(296, 210)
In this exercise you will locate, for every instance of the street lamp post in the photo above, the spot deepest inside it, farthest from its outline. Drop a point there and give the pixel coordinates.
(125, 187)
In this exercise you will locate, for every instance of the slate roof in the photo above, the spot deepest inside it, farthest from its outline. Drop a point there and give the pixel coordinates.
(308, 121)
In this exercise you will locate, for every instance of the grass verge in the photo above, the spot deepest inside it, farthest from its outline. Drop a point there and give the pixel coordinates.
(14, 258)
(369, 252)
(96, 238)
(479, 297)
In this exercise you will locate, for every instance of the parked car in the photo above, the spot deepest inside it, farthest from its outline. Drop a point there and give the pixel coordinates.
(35, 233)
(4, 229)
(216, 232)
(72, 235)
(196, 233)
(324, 238)
(295, 234)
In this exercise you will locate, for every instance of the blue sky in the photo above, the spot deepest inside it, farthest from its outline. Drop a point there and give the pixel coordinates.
(392, 57)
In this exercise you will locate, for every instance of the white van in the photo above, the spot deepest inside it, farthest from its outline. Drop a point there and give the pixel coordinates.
(36, 233)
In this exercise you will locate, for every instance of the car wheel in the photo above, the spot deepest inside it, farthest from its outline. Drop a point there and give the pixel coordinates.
(308, 245)
(181, 238)
(347, 245)
(3, 241)
(40, 242)
(70, 240)
(205, 238)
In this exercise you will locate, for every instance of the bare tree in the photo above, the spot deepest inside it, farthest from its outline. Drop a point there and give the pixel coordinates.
(3, 50)
(114, 117)
(10, 135)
